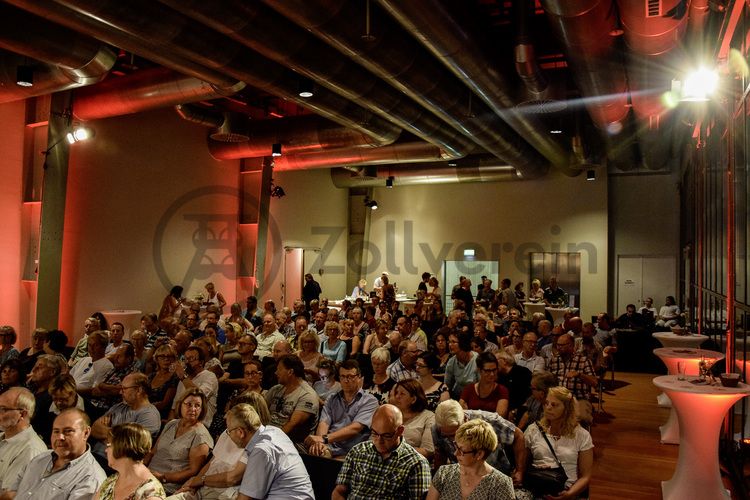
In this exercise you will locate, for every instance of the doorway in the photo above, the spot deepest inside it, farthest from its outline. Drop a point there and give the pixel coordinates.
(472, 269)
(641, 276)
(298, 261)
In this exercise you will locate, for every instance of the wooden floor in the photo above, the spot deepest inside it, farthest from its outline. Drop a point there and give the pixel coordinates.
(629, 460)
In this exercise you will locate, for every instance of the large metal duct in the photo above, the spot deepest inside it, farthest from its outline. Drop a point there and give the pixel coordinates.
(144, 90)
(430, 22)
(195, 114)
(162, 35)
(301, 134)
(466, 170)
(395, 153)
(71, 60)
(288, 44)
(399, 59)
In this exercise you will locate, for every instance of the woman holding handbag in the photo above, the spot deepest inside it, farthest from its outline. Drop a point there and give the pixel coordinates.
(561, 451)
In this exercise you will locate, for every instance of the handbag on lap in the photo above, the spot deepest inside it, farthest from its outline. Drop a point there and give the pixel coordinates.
(545, 480)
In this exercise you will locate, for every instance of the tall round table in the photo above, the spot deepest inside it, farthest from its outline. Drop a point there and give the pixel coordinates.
(533, 307)
(670, 431)
(669, 339)
(558, 313)
(700, 408)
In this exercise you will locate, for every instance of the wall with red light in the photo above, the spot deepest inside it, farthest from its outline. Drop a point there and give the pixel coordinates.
(147, 208)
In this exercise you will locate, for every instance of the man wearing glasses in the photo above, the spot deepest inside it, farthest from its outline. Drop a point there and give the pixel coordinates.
(192, 375)
(346, 416)
(574, 372)
(386, 467)
(404, 367)
(19, 443)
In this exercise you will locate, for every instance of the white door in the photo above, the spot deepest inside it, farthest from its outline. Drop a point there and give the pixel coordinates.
(292, 284)
(642, 276)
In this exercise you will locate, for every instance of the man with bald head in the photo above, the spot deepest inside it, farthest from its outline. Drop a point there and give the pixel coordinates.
(386, 466)
(18, 441)
(574, 372)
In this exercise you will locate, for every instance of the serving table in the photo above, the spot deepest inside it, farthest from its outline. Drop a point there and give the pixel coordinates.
(669, 339)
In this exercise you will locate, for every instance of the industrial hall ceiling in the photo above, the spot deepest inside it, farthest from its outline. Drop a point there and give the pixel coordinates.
(490, 87)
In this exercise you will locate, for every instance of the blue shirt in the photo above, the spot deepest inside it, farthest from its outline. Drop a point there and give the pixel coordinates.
(274, 468)
(458, 376)
(338, 414)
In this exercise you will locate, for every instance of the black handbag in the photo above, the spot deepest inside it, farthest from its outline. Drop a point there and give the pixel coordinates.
(545, 480)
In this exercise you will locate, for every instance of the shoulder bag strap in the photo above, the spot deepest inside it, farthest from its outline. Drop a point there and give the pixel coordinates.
(544, 435)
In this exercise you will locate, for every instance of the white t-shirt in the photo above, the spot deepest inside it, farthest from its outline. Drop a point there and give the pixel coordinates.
(207, 382)
(566, 448)
(88, 373)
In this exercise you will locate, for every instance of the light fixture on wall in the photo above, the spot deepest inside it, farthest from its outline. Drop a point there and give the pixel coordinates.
(25, 75)
(80, 133)
(371, 204)
(276, 149)
(277, 191)
(389, 182)
(591, 175)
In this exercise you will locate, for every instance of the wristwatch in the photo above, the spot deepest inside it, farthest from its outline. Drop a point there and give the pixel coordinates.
(325, 438)
(203, 480)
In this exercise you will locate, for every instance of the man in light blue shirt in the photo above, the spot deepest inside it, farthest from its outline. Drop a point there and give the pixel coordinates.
(274, 468)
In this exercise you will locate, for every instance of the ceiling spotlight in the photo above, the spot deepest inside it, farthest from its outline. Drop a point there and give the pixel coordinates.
(25, 76)
(276, 149)
(591, 175)
(699, 85)
(79, 134)
(277, 191)
(305, 87)
(389, 182)
(371, 204)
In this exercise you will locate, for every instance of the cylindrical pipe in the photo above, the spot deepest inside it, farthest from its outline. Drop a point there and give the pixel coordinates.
(199, 115)
(425, 173)
(395, 153)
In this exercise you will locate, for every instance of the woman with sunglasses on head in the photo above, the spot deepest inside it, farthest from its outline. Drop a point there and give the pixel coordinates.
(472, 477)
(162, 381)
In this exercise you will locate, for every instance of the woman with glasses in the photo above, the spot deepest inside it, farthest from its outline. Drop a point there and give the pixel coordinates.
(162, 381)
(472, 477)
(434, 390)
(461, 369)
(408, 396)
(333, 348)
(541, 383)
(486, 394)
(184, 444)
(327, 385)
(127, 445)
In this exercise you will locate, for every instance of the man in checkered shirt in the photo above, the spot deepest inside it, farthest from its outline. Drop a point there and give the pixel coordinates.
(574, 372)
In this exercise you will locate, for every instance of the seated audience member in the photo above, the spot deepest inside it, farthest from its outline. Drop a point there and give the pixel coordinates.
(549, 351)
(574, 372)
(105, 394)
(382, 383)
(385, 467)
(361, 327)
(528, 358)
(252, 313)
(541, 383)
(648, 311)
(274, 468)
(235, 316)
(46, 368)
(209, 345)
(544, 332)
(450, 416)
(404, 367)
(127, 445)
(408, 396)
(573, 445)
(293, 403)
(68, 470)
(80, 350)
(192, 375)
(141, 354)
(91, 370)
(330, 345)
(417, 334)
(163, 382)
(184, 444)
(327, 385)
(630, 319)
(12, 374)
(606, 334)
(590, 347)
(434, 390)
(220, 478)
(18, 441)
(481, 331)
(56, 345)
(62, 390)
(461, 369)
(309, 353)
(472, 477)
(353, 342)
(486, 394)
(28, 356)
(116, 338)
(267, 337)
(669, 314)
(269, 363)
(403, 326)
(134, 408)
(516, 379)
(318, 324)
(441, 350)
(300, 327)
(228, 351)
(213, 319)
(154, 332)
(378, 337)
(346, 416)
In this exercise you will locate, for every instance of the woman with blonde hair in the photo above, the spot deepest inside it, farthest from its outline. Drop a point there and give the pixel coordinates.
(378, 337)
(472, 477)
(163, 381)
(308, 343)
(127, 445)
(537, 292)
(558, 441)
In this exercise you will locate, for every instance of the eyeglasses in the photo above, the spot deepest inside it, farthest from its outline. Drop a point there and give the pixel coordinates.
(229, 431)
(128, 387)
(419, 365)
(190, 360)
(385, 436)
(191, 405)
(489, 370)
(459, 452)
(347, 378)
(254, 372)
(3, 409)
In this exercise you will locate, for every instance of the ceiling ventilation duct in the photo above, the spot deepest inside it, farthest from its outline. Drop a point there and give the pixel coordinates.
(199, 115)
(232, 129)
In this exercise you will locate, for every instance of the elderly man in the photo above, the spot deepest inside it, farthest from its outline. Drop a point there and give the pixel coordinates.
(386, 467)
(528, 358)
(192, 374)
(80, 351)
(45, 369)
(300, 326)
(18, 441)
(346, 417)
(405, 366)
(68, 470)
(319, 324)
(274, 468)
(293, 403)
(284, 325)
(449, 416)
(268, 336)
(481, 331)
(404, 326)
(553, 294)
(107, 392)
(575, 372)
(134, 408)
(92, 370)
(150, 323)
(464, 294)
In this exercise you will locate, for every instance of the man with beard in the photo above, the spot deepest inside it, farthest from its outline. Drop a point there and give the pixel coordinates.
(69, 470)
(18, 441)
(193, 375)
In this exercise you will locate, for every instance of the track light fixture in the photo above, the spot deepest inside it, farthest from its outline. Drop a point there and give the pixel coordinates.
(277, 191)
(25, 76)
(389, 182)
(591, 175)
(371, 204)
(276, 149)
(79, 134)
(305, 87)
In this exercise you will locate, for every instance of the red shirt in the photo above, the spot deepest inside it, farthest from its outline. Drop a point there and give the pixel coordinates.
(474, 402)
